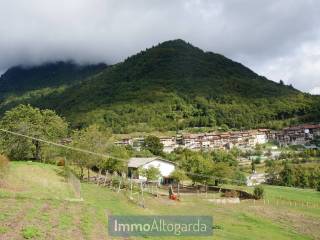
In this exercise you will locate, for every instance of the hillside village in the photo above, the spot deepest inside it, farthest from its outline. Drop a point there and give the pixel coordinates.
(302, 135)
(244, 140)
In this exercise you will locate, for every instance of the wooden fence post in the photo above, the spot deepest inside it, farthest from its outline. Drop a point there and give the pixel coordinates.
(105, 178)
(206, 190)
(158, 186)
(99, 176)
(119, 188)
(131, 188)
(142, 197)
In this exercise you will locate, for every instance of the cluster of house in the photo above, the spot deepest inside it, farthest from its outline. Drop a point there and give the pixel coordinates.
(207, 141)
(297, 135)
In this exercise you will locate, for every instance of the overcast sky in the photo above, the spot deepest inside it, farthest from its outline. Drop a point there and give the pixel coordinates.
(279, 39)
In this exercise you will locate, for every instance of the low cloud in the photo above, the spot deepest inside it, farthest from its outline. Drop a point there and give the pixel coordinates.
(315, 91)
(278, 39)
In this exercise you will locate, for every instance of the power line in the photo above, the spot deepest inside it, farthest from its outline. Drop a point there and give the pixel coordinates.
(60, 145)
(109, 156)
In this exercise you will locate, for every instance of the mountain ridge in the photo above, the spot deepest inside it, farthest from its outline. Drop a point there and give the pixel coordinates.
(19, 79)
(175, 85)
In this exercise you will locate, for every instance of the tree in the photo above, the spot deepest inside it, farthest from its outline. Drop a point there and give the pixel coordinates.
(272, 172)
(153, 144)
(240, 178)
(253, 166)
(178, 175)
(33, 122)
(151, 173)
(318, 186)
(199, 168)
(221, 172)
(258, 192)
(287, 175)
(118, 161)
(225, 157)
(91, 139)
(301, 178)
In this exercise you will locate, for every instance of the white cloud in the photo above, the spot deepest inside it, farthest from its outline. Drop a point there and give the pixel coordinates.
(300, 68)
(315, 91)
(276, 38)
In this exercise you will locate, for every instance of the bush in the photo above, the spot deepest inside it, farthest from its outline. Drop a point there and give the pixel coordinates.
(318, 186)
(231, 194)
(240, 178)
(30, 232)
(178, 176)
(60, 162)
(151, 173)
(258, 192)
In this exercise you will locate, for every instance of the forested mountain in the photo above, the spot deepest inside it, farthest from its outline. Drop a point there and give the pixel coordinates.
(175, 85)
(20, 79)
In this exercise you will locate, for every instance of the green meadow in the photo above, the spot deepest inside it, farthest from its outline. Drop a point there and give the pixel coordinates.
(36, 202)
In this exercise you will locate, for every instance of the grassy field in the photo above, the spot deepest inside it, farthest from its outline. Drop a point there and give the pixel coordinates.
(35, 204)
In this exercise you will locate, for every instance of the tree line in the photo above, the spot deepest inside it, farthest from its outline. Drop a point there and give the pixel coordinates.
(293, 175)
(207, 167)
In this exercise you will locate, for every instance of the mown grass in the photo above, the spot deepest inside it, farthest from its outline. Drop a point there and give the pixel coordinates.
(36, 207)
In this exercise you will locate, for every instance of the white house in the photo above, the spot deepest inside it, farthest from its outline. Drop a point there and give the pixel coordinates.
(169, 144)
(166, 167)
(261, 136)
(256, 179)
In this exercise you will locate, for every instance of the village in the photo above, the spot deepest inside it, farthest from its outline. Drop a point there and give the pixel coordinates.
(244, 140)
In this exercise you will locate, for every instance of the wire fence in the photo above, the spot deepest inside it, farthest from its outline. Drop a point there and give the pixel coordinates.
(73, 182)
(140, 192)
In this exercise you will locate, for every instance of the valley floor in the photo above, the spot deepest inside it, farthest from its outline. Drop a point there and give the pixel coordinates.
(36, 203)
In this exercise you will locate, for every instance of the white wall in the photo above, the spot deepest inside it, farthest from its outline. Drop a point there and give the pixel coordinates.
(261, 138)
(165, 168)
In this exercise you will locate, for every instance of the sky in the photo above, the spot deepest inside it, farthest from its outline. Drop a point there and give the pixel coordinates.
(279, 39)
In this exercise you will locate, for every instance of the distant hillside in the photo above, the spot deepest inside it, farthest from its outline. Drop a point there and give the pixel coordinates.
(175, 85)
(20, 79)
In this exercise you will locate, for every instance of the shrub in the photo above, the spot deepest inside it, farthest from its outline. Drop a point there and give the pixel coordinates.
(3, 230)
(30, 232)
(231, 194)
(215, 226)
(318, 186)
(178, 176)
(61, 162)
(151, 173)
(258, 192)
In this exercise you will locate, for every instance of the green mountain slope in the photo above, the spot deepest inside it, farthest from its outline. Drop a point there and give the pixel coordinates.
(21, 79)
(175, 85)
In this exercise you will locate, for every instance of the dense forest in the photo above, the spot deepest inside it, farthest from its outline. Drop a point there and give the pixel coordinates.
(21, 79)
(171, 86)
